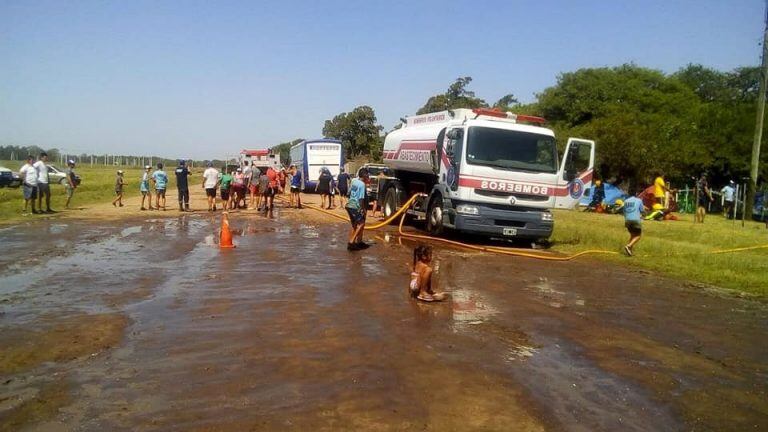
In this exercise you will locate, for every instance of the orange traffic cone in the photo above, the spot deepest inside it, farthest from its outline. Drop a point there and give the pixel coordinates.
(225, 239)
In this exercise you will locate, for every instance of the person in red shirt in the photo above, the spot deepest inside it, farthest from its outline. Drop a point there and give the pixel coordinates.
(272, 186)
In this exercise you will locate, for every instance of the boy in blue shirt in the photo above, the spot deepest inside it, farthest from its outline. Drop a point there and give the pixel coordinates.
(161, 183)
(295, 187)
(633, 215)
(356, 208)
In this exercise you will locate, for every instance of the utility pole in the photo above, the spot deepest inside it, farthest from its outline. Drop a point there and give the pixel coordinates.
(750, 198)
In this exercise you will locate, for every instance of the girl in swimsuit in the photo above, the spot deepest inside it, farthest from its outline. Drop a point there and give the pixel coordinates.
(421, 276)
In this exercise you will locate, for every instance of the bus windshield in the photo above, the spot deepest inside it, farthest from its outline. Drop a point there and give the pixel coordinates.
(513, 150)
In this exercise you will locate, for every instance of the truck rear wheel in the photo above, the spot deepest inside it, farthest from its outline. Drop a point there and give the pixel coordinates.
(435, 216)
(390, 203)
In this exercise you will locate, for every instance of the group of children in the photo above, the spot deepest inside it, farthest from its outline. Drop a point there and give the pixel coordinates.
(159, 181)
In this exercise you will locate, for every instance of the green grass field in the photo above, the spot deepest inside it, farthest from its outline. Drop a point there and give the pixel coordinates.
(98, 186)
(675, 248)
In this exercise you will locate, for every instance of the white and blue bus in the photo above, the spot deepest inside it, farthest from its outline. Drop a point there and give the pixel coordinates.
(311, 155)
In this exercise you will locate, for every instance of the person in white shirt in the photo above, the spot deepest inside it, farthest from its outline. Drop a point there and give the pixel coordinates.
(210, 182)
(43, 188)
(28, 174)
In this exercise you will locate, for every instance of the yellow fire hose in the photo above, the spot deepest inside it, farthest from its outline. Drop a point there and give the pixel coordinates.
(492, 249)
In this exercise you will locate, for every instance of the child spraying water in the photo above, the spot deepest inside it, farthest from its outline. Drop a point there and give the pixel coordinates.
(421, 276)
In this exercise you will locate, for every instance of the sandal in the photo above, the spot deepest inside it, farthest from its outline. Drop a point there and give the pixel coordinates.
(425, 297)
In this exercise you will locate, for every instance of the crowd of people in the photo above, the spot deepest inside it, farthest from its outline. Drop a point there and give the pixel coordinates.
(250, 187)
(238, 187)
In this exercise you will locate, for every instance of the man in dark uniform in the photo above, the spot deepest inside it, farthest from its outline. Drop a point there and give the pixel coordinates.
(182, 184)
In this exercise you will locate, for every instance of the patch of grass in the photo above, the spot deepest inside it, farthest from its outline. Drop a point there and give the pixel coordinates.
(679, 249)
(98, 186)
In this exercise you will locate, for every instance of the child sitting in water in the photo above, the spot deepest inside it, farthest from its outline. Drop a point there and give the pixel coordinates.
(421, 276)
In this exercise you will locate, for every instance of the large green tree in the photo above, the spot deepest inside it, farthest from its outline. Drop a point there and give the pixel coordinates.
(726, 120)
(642, 119)
(457, 96)
(358, 131)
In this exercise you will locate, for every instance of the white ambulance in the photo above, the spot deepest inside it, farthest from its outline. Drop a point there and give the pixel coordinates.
(484, 171)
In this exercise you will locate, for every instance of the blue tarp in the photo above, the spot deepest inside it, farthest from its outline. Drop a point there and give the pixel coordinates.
(612, 193)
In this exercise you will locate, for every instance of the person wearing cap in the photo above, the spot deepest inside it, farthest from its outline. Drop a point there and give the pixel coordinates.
(160, 178)
(210, 182)
(356, 209)
(71, 184)
(342, 184)
(119, 182)
(146, 192)
(728, 194)
(28, 175)
(703, 198)
(182, 185)
(43, 188)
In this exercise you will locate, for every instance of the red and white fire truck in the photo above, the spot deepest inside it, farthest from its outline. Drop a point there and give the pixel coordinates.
(484, 171)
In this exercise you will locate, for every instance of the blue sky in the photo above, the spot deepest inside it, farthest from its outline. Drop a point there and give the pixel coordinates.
(202, 79)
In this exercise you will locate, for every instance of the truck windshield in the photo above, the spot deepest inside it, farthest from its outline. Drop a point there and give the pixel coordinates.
(513, 150)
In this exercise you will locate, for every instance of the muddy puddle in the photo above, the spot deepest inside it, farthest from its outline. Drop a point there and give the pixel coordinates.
(146, 325)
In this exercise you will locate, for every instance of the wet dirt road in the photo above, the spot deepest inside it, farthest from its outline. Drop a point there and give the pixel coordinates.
(146, 325)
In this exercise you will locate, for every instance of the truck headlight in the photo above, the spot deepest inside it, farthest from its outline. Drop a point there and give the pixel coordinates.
(467, 209)
(546, 216)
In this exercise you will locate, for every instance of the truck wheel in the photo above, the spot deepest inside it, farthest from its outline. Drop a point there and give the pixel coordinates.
(390, 203)
(435, 216)
(63, 182)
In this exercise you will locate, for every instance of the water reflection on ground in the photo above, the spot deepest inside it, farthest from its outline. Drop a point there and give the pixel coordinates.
(148, 325)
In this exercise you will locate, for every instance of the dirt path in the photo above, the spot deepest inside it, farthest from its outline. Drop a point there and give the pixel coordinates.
(198, 204)
(144, 324)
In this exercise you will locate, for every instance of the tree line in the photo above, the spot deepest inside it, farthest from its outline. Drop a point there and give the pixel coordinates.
(56, 156)
(644, 121)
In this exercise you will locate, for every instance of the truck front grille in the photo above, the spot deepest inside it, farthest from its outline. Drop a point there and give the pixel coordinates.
(509, 223)
(520, 196)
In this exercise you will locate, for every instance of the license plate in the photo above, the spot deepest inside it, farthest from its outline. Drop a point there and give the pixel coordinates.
(510, 231)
